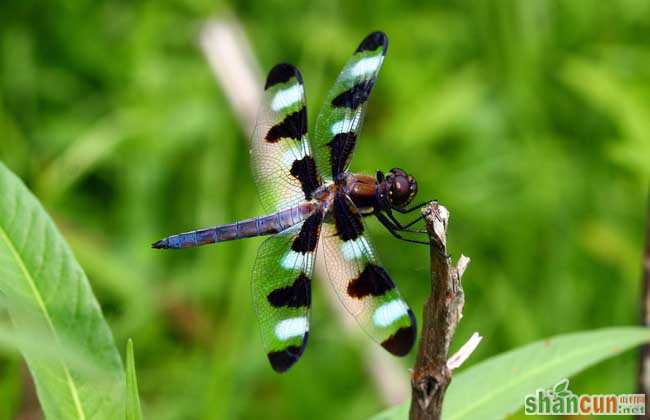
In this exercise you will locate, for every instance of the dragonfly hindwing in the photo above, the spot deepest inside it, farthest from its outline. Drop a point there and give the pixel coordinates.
(361, 283)
(282, 291)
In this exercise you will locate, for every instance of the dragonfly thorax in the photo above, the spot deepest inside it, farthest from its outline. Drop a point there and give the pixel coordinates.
(396, 189)
(363, 190)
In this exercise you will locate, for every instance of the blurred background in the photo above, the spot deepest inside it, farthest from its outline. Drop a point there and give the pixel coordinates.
(529, 120)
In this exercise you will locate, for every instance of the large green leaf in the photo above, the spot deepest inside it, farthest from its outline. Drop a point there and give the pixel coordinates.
(497, 386)
(50, 302)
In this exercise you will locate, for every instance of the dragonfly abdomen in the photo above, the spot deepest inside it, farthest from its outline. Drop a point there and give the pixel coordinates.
(255, 226)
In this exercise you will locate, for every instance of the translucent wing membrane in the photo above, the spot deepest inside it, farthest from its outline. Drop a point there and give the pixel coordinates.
(283, 167)
(282, 291)
(363, 286)
(341, 116)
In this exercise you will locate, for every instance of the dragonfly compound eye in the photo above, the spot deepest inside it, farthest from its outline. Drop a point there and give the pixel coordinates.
(402, 189)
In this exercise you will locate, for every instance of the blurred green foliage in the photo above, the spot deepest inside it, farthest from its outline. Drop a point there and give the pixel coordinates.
(529, 120)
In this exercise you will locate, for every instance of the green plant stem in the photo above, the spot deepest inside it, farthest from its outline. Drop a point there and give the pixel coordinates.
(644, 363)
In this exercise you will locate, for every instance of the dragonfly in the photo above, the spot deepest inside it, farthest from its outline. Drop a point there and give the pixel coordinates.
(314, 204)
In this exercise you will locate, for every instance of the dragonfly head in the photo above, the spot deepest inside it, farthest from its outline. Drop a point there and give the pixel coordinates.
(401, 188)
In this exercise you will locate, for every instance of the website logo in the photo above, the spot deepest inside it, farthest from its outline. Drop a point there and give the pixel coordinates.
(559, 400)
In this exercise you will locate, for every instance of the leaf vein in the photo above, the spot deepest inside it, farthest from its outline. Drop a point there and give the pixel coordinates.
(39, 299)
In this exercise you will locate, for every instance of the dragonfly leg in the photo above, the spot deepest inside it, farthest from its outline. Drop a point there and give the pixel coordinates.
(406, 227)
(388, 224)
(412, 209)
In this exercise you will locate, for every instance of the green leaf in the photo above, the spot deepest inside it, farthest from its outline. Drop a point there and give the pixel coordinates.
(133, 410)
(561, 386)
(497, 386)
(52, 309)
(393, 413)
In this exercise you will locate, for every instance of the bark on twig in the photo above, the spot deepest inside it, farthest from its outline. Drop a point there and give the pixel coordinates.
(442, 312)
(644, 365)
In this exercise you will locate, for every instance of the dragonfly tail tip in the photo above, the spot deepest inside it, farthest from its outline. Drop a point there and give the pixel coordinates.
(161, 244)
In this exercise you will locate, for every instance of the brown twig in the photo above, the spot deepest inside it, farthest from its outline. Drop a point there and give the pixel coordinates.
(644, 365)
(442, 312)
